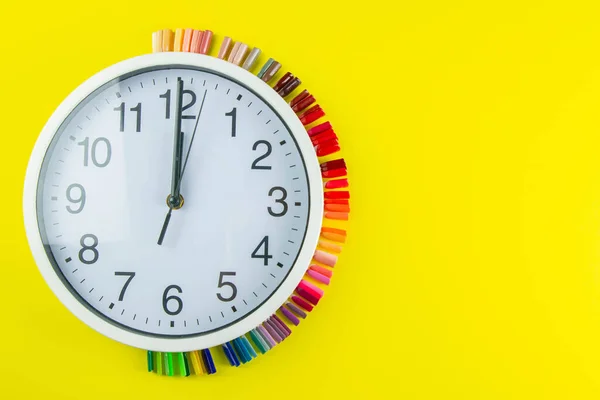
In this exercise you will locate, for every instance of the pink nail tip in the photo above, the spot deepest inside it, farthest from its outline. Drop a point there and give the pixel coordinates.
(318, 276)
(325, 258)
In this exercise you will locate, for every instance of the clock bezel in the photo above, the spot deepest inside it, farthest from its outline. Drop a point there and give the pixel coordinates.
(139, 339)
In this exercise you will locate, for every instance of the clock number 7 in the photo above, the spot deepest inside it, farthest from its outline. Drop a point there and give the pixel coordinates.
(265, 256)
(138, 111)
(127, 282)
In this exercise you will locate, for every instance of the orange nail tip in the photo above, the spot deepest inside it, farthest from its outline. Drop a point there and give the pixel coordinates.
(157, 41)
(187, 39)
(325, 258)
(322, 270)
(341, 216)
(337, 207)
(167, 36)
(178, 41)
(330, 246)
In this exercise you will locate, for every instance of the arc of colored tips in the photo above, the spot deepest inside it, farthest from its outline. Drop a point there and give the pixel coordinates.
(334, 172)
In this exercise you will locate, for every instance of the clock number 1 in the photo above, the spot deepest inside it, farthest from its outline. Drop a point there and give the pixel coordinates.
(138, 111)
(166, 299)
(233, 115)
(265, 256)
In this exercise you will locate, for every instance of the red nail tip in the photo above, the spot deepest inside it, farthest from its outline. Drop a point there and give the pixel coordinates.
(311, 115)
(337, 208)
(302, 303)
(337, 201)
(334, 173)
(322, 270)
(315, 130)
(337, 184)
(327, 143)
(303, 95)
(323, 137)
(285, 79)
(342, 194)
(304, 104)
(333, 164)
(309, 292)
(325, 151)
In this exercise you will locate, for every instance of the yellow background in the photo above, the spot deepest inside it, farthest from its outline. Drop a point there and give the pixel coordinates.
(472, 133)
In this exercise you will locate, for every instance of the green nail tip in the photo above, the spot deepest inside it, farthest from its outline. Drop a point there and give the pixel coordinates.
(265, 68)
(150, 362)
(257, 342)
(182, 366)
(187, 366)
(169, 364)
(159, 363)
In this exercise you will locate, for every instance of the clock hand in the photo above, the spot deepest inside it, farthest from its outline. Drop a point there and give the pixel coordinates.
(175, 200)
(168, 216)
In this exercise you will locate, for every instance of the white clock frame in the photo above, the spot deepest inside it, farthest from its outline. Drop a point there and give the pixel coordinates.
(251, 320)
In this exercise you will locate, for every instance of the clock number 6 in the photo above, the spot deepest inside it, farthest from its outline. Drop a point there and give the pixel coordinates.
(281, 201)
(230, 284)
(85, 248)
(265, 256)
(166, 299)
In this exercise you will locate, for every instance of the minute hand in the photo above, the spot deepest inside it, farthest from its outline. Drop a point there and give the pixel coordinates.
(175, 200)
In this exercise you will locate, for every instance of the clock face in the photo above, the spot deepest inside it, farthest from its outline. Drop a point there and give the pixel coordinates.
(240, 241)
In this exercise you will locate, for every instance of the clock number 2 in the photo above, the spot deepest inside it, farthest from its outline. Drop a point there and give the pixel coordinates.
(229, 284)
(166, 299)
(265, 256)
(260, 158)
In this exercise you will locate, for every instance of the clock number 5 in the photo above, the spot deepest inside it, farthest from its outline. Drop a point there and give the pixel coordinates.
(230, 284)
(138, 122)
(127, 282)
(265, 256)
(166, 299)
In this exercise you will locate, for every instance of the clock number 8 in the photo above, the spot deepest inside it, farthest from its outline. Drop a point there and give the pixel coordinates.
(85, 248)
(166, 299)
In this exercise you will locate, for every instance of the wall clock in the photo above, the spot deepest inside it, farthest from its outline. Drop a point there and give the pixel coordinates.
(175, 202)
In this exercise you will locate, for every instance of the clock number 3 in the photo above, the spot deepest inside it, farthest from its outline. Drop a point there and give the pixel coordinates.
(229, 284)
(280, 200)
(166, 299)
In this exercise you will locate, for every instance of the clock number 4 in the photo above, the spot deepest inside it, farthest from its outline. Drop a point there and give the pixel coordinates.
(167, 96)
(265, 255)
(229, 284)
(127, 282)
(166, 299)
(137, 109)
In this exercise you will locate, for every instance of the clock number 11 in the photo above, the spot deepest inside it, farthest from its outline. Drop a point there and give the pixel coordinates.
(137, 109)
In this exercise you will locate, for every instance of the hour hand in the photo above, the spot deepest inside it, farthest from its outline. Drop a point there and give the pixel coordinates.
(175, 200)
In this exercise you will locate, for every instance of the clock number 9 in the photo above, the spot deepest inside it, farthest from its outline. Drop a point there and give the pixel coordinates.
(85, 248)
(280, 200)
(230, 284)
(80, 199)
(166, 299)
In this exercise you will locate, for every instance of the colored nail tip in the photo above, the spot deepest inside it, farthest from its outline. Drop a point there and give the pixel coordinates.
(178, 41)
(324, 138)
(157, 40)
(325, 258)
(249, 347)
(333, 164)
(206, 42)
(289, 88)
(224, 50)
(337, 184)
(233, 52)
(239, 351)
(282, 333)
(209, 363)
(307, 295)
(326, 151)
(228, 355)
(182, 364)
(159, 363)
(241, 54)
(287, 77)
(315, 130)
(282, 324)
(244, 349)
(264, 68)
(186, 364)
(187, 40)
(309, 286)
(267, 337)
(150, 361)
(338, 194)
(337, 208)
(167, 36)
(330, 247)
(272, 331)
(321, 270)
(251, 60)
(271, 71)
(319, 277)
(289, 315)
(299, 97)
(257, 341)
(302, 303)
(333, 230)
(296, 310)
(334, 173)
(169, 364)
(196, 40)
(339, 216)
(311, 115)
(196, 363)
